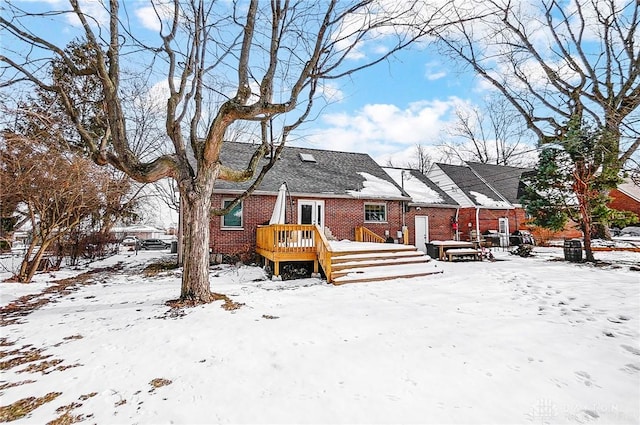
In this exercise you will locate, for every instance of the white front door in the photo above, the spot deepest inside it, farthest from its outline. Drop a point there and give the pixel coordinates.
(503, 230)
(311, 212)
(422, 232)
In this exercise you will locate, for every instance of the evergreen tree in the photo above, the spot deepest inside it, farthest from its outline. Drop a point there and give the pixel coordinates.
(571, 183)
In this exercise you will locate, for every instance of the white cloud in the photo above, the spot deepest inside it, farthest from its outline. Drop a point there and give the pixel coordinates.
(433, 71)
(436, 75)
(156, 97)
(93, 8)
(150, 17)
(331, 92)
(386, 131)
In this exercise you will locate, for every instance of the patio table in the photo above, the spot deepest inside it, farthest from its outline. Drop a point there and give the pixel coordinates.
(443, 246)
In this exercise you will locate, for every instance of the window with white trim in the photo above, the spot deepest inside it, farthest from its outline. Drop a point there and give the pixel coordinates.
(233, 220)
(375, 213)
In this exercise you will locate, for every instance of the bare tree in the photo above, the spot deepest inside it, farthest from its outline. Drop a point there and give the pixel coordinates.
(556, 60)
(421, 161)
(267, 60)
(56, 191)
(491, 134)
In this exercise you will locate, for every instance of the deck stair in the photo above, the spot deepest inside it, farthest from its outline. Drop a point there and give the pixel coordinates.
(374, 264)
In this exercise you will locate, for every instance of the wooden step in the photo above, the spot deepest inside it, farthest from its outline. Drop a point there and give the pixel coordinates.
(342, 259)
(381, 248)
(382, 273)
(377, 262)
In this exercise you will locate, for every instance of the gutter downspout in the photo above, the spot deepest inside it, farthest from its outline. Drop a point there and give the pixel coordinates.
(403, 205)
(457, 235)
(477, 223)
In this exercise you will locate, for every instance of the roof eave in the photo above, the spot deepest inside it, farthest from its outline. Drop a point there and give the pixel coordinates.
(310, 195)
(431, 205)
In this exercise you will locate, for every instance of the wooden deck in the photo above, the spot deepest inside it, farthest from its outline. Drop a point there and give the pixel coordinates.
(299, 242)
(290, 242)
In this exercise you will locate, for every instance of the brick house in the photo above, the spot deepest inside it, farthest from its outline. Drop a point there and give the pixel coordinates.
(626, 197)
(341, 191)
(337, 190)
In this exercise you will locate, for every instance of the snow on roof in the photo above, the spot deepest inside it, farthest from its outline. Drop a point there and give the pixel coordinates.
(375, 187)
(418, 190)
(629, 188)
(485, 201)
(135, 228)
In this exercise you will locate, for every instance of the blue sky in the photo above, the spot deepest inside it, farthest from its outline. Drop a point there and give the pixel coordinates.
(385, 110)
(388, 109)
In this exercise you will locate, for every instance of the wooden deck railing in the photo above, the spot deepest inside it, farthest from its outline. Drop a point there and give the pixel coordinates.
(324, 253)
(286, 238)
(294, 242)
(365, 235)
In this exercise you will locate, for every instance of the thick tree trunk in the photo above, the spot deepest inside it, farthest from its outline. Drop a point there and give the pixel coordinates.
(600, 231)
(28, 268)
(582, 175)
(196, 215)
(588, 252)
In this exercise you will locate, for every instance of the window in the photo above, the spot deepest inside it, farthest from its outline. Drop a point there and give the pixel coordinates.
(234, 218)
(307, 157)
(375, 212)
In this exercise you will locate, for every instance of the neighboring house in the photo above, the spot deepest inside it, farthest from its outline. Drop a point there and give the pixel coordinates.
(339, 191)
(626, 197)
(140, 231)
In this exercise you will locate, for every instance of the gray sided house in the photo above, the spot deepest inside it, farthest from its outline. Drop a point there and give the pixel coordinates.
(487, 195)
(505, 180)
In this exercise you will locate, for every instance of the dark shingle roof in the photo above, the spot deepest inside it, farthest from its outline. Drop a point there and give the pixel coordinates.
(504, 179)
(421, 189)
(468, 182)
(331, 173)
(431, 185)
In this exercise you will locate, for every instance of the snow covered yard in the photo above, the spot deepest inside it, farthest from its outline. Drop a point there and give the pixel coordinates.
(519, 340)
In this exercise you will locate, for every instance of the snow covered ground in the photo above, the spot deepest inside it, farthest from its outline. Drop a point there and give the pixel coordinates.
(519, 340)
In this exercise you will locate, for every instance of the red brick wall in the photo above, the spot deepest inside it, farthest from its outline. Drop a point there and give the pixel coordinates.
(342, 216)
(440, 227)
(623, 202)
(488, 220)
(256, 210)
(620, 201)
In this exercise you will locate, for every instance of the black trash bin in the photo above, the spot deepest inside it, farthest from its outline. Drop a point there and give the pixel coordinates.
(573, 250)
(174, 247)
(433, 251)
(515, 240)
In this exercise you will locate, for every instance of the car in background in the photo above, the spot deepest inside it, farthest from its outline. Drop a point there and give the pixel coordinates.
(130, 241)
(154, 244)
(630, 231)
(627, 234)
